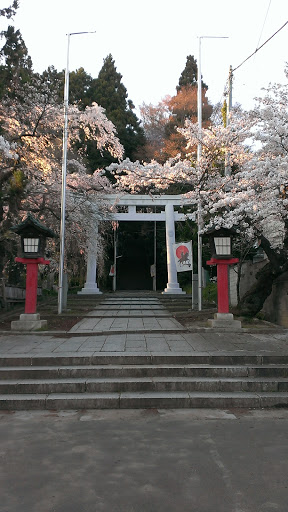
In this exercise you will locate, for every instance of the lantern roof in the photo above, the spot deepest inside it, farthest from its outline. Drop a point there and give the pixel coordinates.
(220, 232)
(30, 223)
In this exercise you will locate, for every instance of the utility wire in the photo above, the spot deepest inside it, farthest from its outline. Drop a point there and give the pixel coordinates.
(257, 49)
(225, 92)
(264, 23)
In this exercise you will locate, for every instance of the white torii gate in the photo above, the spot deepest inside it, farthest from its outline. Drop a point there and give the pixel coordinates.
(131, 203)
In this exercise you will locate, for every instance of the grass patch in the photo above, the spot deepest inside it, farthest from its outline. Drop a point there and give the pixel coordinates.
(210, 293)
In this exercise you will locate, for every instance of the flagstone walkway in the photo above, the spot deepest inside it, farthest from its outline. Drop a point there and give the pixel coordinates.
(126, 315)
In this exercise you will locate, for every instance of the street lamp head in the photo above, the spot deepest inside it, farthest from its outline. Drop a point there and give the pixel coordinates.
(33, 237)
(220, 242)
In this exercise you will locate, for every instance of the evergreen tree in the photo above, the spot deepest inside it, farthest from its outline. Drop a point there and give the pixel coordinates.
(16, 64)
(54, 82)
(110, 93)
(80, 88)
(189, 75)
(184, 106)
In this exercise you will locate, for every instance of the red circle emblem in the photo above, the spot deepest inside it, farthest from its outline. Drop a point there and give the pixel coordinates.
(182, 249)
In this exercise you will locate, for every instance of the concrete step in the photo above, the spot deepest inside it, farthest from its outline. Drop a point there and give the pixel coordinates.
(143, 380)
(130, 400)
(138, 371)
(145, 384)
(144, 358)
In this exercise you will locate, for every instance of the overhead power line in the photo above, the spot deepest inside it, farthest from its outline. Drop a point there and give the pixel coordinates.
(257, 49)
(264, 23)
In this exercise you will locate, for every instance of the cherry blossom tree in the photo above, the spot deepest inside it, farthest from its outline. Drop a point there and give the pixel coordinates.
(254, 198)
(31, 158)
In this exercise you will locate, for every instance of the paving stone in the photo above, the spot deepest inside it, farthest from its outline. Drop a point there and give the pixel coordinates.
(158, 335)
(113, 347)
(136, 336)
(179, 346)
(157, 346)
(133, 344)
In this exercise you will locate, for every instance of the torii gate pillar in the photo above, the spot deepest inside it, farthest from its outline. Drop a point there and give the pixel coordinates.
(172, 285)
(90, 287)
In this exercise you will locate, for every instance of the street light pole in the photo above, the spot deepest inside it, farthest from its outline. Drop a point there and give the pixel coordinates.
(199, 102)
(199, 153)
(63, 187)
(64, 173)
(229, 104)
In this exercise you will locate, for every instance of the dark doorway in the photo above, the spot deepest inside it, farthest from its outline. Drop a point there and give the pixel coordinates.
(135, 251)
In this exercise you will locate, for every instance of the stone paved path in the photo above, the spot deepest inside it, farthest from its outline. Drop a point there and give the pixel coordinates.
(126, 315)
(142, 325)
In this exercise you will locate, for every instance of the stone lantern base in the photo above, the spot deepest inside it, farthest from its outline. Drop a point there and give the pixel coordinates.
(225, 321)
(28, 322)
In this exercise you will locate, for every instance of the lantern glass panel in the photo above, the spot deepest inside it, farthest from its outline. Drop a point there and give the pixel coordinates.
(222, 245)
(31, 245)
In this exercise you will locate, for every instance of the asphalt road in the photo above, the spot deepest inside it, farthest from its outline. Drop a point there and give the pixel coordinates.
(144, 461)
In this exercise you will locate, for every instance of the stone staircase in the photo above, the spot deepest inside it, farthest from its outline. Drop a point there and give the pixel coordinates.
(143, 381)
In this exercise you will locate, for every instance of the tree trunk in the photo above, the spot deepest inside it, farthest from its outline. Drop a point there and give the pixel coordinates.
(239, 274)
(253, 300)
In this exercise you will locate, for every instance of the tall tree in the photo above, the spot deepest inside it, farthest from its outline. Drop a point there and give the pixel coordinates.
(80, 88)
(16, 64)
(189, 75)
(171, 113)
(183, 106)
(109, 92)
(54, 82)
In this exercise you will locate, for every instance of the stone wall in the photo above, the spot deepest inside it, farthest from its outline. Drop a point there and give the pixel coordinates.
(275, 308)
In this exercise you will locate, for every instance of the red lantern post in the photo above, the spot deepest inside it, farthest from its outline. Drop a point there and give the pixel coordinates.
(31, 281)
(220, 244)
(222, 281)
(33, 240)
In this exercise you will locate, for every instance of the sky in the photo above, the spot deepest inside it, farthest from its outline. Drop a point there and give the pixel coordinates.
(151, 40)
